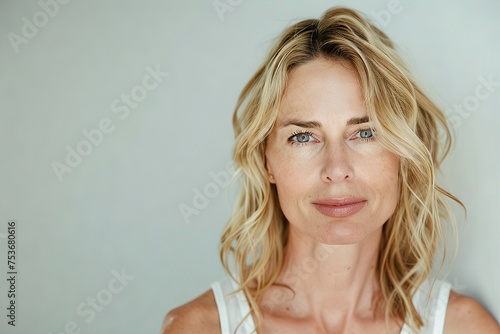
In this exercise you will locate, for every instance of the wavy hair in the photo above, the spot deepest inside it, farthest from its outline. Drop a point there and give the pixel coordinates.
(408, 124)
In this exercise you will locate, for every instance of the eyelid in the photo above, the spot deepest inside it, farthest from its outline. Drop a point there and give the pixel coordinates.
(363, 126)
(359, 130)
(299, 132)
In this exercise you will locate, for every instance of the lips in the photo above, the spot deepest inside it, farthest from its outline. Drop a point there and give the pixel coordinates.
(339, 207)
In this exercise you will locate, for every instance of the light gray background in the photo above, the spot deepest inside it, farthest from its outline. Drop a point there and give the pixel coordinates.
(119, 209)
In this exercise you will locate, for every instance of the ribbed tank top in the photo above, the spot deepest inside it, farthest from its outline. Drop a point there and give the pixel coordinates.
(430, 300)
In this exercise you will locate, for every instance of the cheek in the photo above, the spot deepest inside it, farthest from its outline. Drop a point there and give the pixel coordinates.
(280, 163)
(386, 174)
(291, 177)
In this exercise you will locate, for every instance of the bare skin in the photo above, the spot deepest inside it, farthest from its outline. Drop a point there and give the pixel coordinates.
(464, 315)
(322, 149)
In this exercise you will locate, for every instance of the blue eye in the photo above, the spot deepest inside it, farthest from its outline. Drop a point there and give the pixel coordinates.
(365, 134)
(302, 138)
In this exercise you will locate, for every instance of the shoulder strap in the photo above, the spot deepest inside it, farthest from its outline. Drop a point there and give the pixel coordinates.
(232, 307)
(442, 298)
(221, 307)
(431, 302)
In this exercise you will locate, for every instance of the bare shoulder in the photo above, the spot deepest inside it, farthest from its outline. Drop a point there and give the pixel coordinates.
(197, 316)
(466, 315)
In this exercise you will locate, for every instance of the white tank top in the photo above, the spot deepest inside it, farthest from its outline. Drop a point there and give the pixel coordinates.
(430, 301)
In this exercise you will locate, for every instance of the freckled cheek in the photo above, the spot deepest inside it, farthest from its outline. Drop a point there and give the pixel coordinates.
(294, 174)
(388, 180)
(380, 169)
(293, 201)
(288, 178)
(292, 180)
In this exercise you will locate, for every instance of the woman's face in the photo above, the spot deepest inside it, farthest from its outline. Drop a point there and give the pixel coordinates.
(335, 182)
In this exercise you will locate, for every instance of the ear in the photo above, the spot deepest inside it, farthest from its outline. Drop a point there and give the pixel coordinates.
(270, 173)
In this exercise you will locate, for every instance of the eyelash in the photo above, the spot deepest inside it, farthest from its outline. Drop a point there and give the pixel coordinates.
(366, 139)
(295, 133)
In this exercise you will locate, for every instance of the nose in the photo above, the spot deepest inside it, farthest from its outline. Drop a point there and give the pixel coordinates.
(337, 163)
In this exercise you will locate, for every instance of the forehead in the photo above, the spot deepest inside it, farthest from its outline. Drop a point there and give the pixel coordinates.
(322, 85)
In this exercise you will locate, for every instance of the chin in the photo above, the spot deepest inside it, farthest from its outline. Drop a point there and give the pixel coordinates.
(338, 240)
(340, 233)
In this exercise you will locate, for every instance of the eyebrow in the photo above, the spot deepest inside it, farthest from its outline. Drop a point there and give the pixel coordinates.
(315, 124)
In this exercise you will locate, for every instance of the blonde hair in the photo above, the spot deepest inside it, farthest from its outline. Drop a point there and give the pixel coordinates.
(407, 123)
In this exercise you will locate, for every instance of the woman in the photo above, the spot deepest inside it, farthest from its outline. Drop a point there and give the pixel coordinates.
(339, 216)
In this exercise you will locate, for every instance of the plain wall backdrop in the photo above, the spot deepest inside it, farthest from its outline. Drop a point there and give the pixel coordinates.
(143, 92)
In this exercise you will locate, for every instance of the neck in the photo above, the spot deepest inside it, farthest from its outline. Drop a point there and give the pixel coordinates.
(331, 278)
